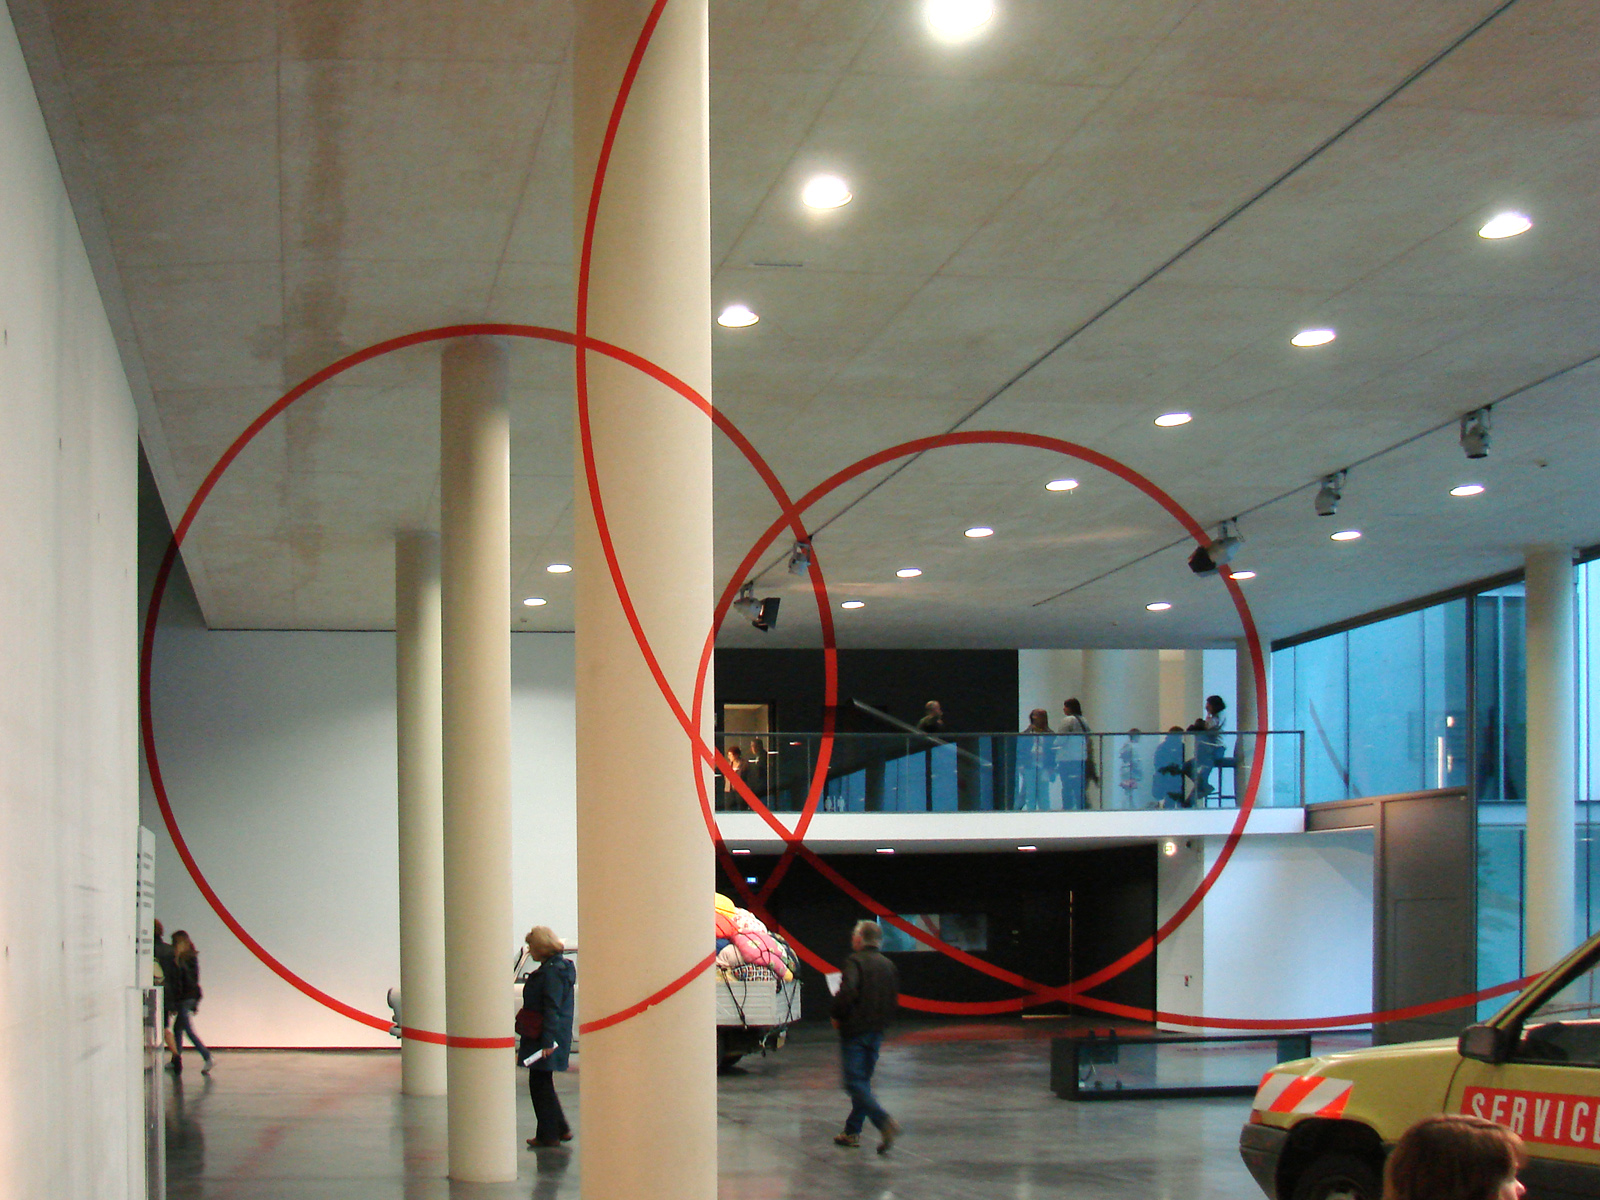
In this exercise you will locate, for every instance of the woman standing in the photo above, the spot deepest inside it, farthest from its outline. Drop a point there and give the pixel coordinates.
(544, 1033)
(1036, 762)
(186, 990)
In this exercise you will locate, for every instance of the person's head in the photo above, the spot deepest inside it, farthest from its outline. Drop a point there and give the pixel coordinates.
(756, 748)
(866, 935)
(542, 942)
(1071, 707)
(1039, 719)
(182, 946)
(1135, 734)
(1176, 729)
(1215, 704)
(158, 930)
(932, 709)
(735, 755)
(1455, 1157)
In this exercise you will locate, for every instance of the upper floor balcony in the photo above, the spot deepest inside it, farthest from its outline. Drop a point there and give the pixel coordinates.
(973, 791)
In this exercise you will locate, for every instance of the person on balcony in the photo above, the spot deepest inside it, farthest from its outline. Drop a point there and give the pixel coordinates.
(1208, 746)
(1074, 761)
(1169, 780)
(1036, 762)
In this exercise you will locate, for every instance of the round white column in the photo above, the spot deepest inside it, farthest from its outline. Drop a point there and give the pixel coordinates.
(420, 774)
(645, 870)
(475, 545)
(1549, 903)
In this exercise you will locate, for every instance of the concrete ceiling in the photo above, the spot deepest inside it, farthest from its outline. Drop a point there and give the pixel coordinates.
(1153, 196)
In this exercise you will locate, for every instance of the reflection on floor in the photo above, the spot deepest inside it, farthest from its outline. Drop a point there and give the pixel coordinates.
(975, 1101)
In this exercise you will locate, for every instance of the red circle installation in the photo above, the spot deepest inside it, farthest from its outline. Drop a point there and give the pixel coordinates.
(791, 517)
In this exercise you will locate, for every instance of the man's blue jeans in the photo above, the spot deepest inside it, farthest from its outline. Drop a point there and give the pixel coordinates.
(858, 1056)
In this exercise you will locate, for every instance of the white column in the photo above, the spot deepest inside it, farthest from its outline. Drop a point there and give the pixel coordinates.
(475, 521)
(1253, 713)
(1121, 690)
(1551, 755)
(645, 870)
(419, 769)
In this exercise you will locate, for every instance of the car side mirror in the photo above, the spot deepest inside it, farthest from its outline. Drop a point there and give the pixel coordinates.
(1485, 1043)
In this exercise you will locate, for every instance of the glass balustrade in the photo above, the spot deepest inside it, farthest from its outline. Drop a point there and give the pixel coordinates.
(1012, 772)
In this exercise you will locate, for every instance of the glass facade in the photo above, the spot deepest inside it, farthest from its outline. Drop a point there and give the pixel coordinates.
(1437, 698)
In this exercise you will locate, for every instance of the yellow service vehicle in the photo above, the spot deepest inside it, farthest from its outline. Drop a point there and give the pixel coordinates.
(1320, 1128)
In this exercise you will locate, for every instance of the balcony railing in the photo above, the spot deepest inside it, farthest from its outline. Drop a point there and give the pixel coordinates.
(1012, 772)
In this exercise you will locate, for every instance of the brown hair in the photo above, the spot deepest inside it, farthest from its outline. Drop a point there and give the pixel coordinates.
(1452, 1157)
(1039, 720)
(182, 946)
(542, 942)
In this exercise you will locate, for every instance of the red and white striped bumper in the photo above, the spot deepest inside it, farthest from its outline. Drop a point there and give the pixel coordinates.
(1302, 1095)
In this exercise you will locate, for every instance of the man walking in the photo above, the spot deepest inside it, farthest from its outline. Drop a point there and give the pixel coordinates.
(869, 992)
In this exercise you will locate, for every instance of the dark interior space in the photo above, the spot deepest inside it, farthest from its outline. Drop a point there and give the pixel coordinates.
(977, 688)
(1051, 917)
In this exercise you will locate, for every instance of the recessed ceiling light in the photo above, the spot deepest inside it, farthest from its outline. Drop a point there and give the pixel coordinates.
(978, 531)
(559, 568)
(1061, 485)
(885, 849)
(957, 20)
(1346, 535)
(1467, 489)
(1157, 606)
(535, 602)
(741, 852)
(1243, 575)
(1168, 420)
(737, 316)
(909, 572)
(854, 604)
(1312, 337)
(1504, 225)
(825, 191)
(1027, 849)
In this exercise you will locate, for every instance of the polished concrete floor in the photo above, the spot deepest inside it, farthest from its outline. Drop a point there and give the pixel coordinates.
(979, 1117)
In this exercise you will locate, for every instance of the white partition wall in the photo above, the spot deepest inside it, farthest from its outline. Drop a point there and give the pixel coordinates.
(69, 1121)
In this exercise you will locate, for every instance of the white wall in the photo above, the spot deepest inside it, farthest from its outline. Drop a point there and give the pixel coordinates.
(1285, 933)
(69, 1047)
(278, 751)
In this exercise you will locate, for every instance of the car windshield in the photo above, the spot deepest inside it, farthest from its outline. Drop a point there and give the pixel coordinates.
(1565, 1028)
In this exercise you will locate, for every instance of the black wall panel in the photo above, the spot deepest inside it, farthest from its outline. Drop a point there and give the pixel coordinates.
(978, 688)
(1051, 917)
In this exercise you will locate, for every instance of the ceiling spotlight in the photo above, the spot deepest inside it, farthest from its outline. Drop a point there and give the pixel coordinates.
(1329, 494)
(1346, 535)
(825, 191)
(762, 613)
(909, 572)
(1206, 559)
(1169, 848)
(1027, 849)
(535, 602)
(1157, 606)
(1168, 420)
(737, 316)
(1475, 434)
(800, 558)
(980, 531)
(1467, 489)
(1241, 575)
(1312, 337)
(739, 852)
(1504, 225)
(559, 568)
(1061, 485)
(854, 604)
(885, 849)
(957, 20)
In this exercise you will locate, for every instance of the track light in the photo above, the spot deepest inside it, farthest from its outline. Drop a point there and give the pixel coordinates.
(1206, 559)
(762, 613)
(1475, 434)
(1330, 493)
(800, 558)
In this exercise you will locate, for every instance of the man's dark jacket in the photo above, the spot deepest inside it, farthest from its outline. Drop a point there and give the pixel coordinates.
(868, 994)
